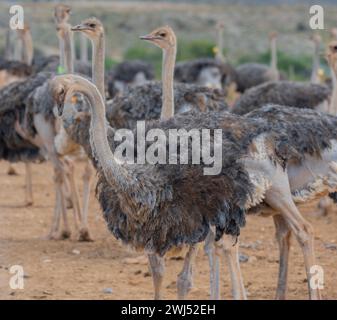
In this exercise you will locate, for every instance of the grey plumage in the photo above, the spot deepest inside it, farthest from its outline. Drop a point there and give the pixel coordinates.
(140, 103)
(188, 71)
(12, 109)
(16, 68)
(286, 93)
(249, 75)
(179, 193)
(126, 72)
(299, 132)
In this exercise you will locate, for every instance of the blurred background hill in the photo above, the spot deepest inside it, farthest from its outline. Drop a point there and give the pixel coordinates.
(247, 24)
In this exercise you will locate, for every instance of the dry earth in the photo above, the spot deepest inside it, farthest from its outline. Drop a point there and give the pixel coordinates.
(104, 269)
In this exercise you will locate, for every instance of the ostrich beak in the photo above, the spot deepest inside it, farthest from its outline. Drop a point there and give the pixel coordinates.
(79, 27)
(148, 37)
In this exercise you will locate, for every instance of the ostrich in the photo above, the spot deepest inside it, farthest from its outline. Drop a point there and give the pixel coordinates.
(203, 71)
(128, 73)
(125, 110)
(206, 71)
(39, 126)
(288, 210)
(137, 103)
(154, 205)
(9, 45)
(11, 71)
(219, 48)
(252, 74)
(286, 93)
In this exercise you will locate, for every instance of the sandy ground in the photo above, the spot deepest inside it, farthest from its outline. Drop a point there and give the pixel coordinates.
(104, 269)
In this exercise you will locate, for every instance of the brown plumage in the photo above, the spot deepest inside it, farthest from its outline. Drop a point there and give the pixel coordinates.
(285, 93)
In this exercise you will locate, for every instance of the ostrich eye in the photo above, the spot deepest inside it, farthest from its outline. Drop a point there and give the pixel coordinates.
(335, 48)
(92, 25)
(162, 34)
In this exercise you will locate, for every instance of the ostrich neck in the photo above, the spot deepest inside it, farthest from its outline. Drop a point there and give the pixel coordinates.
(315, 65)
(8, 45)
(115, 174)
(27, 48)
(68, 51)
(98, 63)
(84, 49)
(18, 49)
(61, 50)
(333, 103)
(273, 62)
(219, 54)
(169, 58)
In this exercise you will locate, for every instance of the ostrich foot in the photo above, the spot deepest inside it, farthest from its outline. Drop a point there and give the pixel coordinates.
(29, 203)
(85, 235)
(69, 203)
(11, 171)
(65, 234)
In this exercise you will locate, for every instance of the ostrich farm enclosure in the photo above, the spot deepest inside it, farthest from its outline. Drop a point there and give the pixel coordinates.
(104, 268)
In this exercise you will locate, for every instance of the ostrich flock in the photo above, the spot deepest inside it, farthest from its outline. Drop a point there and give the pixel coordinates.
(278, 142)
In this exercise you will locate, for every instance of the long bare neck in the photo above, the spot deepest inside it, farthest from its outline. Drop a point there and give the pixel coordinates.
(68, 50)
(27, 48)
(219, 55)
(84, 48)
(18, 49)
(315, 65)
(273, 61)
(333, 102)
(8, 45)
(169, 58)
(61, 51)
(98, 54)
(114, 173)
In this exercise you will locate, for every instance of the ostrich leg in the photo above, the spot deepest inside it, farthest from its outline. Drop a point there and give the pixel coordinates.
(185, 277)
(47, 133)
(70, 174)
(283, 235)
(231, 252)
(29, 187)
(84, 231)
(157, 266)
(280, 199)
(213, 260)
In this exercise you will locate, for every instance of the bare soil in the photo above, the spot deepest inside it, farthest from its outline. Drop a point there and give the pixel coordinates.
(104, 269)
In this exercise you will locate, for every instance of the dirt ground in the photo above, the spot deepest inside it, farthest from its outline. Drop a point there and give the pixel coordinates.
(104, 269)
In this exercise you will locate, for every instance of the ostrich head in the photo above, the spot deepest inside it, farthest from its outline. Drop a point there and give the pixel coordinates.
(61, 13)
(272, 35)
(316, 38)
(62, 28)
(332, 55)
(23, 32)
(220, 25)
(60, 87)
(92, 28)
(162, 37)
